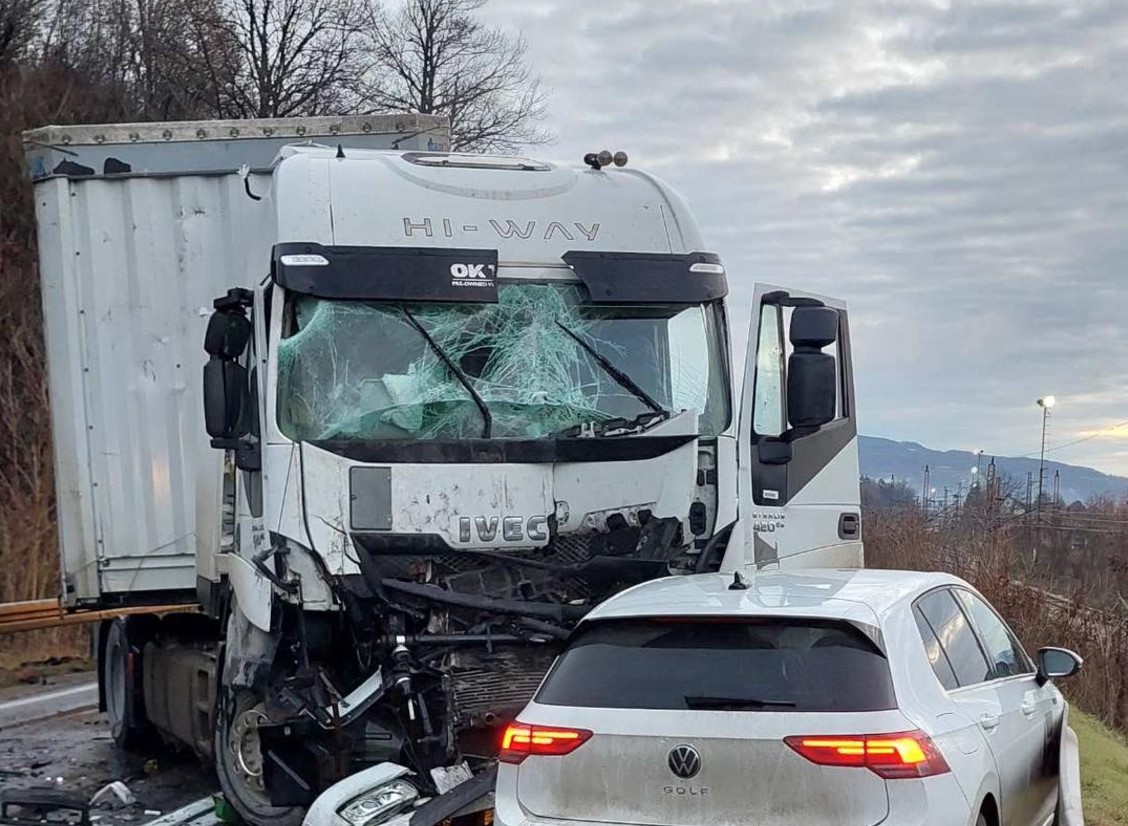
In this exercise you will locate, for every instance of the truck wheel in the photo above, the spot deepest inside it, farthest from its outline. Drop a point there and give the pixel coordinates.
(121, 685)
(238, 762)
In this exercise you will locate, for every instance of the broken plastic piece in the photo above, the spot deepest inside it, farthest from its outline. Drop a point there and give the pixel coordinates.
(111, 791)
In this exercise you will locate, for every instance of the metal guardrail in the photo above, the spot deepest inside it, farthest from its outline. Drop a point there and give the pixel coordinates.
(35, 615)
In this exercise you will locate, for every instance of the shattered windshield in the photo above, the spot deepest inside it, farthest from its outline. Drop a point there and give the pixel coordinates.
(540, 361)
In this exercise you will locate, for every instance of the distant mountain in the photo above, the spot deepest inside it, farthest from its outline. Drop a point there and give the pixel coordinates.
(882, 458)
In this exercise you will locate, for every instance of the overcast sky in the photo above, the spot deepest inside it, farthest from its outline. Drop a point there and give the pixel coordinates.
(955, 171)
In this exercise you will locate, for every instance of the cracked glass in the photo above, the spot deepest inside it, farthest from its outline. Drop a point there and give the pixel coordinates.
(364, 371)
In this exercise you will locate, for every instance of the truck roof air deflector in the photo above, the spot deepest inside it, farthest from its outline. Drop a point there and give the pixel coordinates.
(649, 278)
(387, 273)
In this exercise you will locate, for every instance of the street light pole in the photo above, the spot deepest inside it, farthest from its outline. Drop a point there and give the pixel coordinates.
(1046, 403)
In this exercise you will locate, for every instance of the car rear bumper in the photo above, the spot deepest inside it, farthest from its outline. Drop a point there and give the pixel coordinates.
(936, 801)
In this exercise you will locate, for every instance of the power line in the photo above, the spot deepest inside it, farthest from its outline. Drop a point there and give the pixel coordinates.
(1094, 435)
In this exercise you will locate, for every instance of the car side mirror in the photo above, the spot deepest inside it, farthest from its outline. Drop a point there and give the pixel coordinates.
(812, 375)
(1056, 663)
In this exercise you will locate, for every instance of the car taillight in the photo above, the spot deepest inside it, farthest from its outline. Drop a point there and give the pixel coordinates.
(892, 756)
(521, 740)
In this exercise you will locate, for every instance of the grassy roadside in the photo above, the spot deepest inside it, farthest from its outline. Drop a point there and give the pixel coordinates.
(1104, 771)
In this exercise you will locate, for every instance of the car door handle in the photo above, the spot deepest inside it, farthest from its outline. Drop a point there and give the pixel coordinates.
(1029, 707)
(989, 722)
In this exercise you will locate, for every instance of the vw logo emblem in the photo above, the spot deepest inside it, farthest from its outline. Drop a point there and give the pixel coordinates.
(684, 761)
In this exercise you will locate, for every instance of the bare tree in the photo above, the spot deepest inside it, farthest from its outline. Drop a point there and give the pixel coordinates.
(172, 43)
(276, 58)
(435, 57)
(18, 21)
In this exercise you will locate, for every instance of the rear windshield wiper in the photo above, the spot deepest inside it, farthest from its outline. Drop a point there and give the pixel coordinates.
(487, 420)
(701, 702)
(621, 378)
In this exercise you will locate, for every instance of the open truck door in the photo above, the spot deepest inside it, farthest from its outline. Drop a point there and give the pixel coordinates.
(800, 498)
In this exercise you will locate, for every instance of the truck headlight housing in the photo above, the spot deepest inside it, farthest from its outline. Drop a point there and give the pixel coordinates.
(376, 804)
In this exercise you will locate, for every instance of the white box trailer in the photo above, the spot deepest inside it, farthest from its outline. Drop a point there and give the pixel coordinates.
(141, 227)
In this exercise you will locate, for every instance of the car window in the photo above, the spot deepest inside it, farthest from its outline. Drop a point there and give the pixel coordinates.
(739, 665)
(951, 627)
(936, 655)
(1006, 654)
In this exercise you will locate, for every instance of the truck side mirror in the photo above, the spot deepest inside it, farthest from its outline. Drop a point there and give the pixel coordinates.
(229, 408)
(226, 397)
(812, 375)
(227, 335)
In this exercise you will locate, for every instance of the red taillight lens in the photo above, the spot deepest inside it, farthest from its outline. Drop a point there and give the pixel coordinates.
(521, 740)
(892, 756)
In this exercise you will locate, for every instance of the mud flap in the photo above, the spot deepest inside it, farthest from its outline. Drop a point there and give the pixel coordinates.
(464, 794)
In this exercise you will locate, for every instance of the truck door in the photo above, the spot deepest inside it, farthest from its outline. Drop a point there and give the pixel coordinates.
(798, 444)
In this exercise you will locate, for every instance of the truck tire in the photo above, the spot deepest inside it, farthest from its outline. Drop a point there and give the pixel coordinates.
(238, 762)
(120, 666)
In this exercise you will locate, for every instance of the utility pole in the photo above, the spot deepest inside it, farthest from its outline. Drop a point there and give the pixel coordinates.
(992, 492)
(1046, 403)
(924, 492)
(1057, 488)
(1026, 513)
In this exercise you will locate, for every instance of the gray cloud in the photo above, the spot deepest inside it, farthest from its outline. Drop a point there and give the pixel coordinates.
(957, 171)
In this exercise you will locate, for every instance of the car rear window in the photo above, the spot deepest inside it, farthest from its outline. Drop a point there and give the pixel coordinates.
(739, 665)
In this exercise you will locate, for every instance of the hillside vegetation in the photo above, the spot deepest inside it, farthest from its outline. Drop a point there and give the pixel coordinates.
(1104, 772)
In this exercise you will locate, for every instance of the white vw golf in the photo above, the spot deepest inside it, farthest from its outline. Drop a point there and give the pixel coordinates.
(791, 699)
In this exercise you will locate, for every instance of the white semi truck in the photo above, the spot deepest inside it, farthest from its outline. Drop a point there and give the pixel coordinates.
(394, 419)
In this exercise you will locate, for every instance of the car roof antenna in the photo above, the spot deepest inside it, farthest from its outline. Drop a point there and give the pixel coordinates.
(739, 583)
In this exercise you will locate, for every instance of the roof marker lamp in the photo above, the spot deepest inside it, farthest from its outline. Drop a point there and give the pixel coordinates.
(308, 260)
(598, 160)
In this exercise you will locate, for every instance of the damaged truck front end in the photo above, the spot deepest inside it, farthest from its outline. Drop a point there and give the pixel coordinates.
(446, 464)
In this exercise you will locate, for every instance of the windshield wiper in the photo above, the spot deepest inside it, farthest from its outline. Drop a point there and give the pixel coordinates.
(487, 420)
(701, 702)
(621, 378)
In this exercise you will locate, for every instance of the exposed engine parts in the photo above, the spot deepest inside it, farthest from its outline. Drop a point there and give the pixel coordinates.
(438, 652)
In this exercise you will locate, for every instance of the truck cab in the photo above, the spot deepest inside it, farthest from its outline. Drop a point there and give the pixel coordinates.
(448, 404)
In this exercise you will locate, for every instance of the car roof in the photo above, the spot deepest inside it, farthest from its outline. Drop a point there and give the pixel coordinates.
(832, 593)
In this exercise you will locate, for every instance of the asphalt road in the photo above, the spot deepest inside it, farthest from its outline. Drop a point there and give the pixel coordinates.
(53, 736)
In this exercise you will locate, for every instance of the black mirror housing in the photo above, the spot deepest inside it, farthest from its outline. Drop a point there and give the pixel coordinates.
(226, 397)
(1057, 663)
(227, 334)
(813, 327)
(812, 389)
